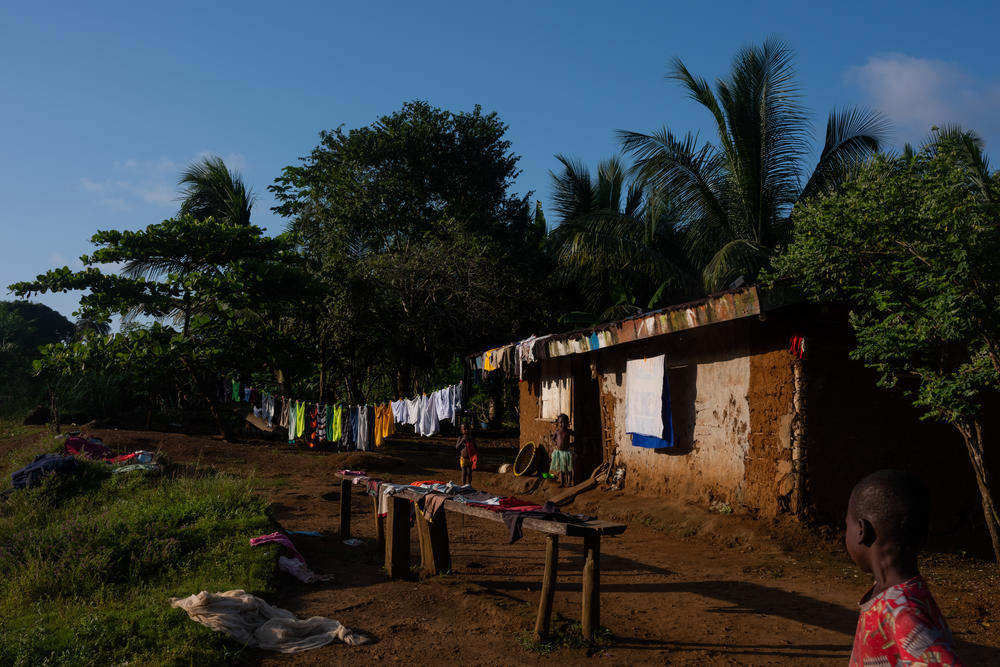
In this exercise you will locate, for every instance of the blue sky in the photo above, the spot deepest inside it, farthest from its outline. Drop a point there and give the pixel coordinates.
(104, 103)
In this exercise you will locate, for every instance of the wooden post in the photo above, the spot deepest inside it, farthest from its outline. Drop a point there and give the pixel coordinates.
(548, 587)
(435, 557)
(379, 527)
(345, 508)
(591, 602)
(397, 538)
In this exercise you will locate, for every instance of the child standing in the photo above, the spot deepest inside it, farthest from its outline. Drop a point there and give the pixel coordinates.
(468, 455)
(887, 518)
(562, 457)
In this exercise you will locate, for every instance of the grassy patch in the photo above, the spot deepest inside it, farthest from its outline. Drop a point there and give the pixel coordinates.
(564, 633)
(88, 562)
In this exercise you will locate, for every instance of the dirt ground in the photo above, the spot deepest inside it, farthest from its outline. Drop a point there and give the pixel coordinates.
(681, 586)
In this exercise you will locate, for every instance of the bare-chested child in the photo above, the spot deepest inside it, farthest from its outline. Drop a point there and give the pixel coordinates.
(468, 455)
(562, 457)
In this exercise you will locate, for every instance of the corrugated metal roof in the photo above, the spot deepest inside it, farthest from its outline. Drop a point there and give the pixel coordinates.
(722, 307)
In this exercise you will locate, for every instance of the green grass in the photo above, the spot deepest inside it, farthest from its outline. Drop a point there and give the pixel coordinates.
(564, 633)
(88, 562)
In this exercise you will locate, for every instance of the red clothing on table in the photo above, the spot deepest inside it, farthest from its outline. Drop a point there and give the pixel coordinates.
(902, 625)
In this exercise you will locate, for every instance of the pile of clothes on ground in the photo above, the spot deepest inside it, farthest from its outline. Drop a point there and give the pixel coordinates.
(74, 447)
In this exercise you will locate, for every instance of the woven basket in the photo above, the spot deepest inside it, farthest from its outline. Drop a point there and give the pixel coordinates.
(527, 459)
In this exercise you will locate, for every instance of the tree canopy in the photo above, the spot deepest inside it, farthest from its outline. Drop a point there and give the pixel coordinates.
(411, 223)
(911, 243)
(734, 197)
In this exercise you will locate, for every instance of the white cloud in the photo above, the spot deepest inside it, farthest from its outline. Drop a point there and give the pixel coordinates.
(918, 93)
(136, 182)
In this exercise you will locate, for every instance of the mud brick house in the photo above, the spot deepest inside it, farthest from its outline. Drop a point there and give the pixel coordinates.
(763, 425)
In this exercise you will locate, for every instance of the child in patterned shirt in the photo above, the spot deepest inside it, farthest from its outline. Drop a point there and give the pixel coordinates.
(899, 624)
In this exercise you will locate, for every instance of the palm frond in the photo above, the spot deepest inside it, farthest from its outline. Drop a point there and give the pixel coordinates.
(212, 190)
(852, 136)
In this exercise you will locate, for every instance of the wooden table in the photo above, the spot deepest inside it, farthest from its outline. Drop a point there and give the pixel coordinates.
(393, 534)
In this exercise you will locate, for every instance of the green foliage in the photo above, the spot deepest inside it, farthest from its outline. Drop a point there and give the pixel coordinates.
(734, 198)
(911, 243)
(618, 242)
(88, 563)
(410, 224)
(24, 327)
(227, 287)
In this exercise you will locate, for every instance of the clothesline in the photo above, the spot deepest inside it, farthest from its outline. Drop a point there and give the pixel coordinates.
(514, 358)
(358, 427)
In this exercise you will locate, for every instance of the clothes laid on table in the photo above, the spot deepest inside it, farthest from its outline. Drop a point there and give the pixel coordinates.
(432, 505)
(478, 498)
(253, 622)
(549, 512)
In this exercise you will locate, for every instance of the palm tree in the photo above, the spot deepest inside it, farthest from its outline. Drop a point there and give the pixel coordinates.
(212, 190)
(617, 241)
(209, 231)
(735, 198)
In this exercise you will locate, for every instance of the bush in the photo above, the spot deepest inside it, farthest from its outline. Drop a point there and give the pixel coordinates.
(87, 563)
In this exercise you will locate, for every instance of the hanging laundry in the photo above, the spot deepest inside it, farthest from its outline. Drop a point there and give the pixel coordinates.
(338, 423)
(413, 411)
(236, 391)
(428, 417)
(300, 419)
(399, 413)
(321, 423)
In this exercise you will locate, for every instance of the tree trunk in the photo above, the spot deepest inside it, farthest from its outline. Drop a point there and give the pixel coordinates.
(404, 380)
(322, 373)
(495, 388)
(213, 406)
(972, 433)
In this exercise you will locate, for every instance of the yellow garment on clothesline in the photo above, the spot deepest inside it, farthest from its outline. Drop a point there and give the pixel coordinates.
(488, 364)
(338, 413)
(385, 424)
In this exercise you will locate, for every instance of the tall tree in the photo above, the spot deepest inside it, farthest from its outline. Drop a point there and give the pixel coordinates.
(411, 223)
(911, 244)
(735, 197)
(212, 190)
(618, 241)
(228, 284)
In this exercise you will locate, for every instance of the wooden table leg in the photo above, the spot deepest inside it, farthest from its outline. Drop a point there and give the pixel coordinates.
(591, 586)
(435, 556)
(379, 527)
(397, 538)
(548, 587)
(345, 508)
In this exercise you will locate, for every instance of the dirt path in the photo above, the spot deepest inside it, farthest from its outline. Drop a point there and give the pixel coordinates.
(680, 586)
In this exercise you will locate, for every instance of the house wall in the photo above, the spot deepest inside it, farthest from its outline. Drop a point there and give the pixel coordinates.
(731, 399)
(742, 404)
